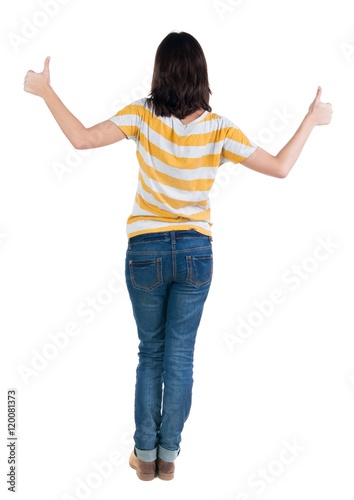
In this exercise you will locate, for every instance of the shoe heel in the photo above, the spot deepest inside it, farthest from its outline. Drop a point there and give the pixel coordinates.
(145, 477)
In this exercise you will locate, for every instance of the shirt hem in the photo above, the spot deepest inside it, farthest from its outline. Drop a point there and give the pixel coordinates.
(169, 228)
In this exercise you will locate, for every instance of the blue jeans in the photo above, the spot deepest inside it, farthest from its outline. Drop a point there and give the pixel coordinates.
(168, 276)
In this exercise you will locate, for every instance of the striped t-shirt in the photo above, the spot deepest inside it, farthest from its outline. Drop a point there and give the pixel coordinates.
(178, 164)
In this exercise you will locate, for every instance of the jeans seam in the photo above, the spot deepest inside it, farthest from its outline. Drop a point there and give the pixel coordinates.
(184, 250)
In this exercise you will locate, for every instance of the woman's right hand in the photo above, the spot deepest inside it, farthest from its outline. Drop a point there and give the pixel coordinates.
(320, 112)
(38, 83)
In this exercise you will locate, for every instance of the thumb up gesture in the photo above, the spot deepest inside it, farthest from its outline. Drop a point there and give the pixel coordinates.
(38, 83)
(320, 112)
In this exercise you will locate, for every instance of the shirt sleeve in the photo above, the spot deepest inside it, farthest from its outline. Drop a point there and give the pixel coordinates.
(128, 120)
(237, 146)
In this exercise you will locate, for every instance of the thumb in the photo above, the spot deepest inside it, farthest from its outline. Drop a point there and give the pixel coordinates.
(46, 65)
(318, 95)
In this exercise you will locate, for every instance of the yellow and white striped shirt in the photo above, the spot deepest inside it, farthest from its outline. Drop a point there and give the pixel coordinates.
(178, 165)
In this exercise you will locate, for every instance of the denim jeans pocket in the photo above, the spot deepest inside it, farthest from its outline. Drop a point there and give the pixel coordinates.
(199, 269)
(146, 275)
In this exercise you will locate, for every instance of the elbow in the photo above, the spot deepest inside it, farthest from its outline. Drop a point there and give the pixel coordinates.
(79, 144)
(80, 141)
(281, 170)
(281, 174)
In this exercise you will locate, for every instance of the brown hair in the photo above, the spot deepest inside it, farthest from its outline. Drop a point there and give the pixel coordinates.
(180, 84)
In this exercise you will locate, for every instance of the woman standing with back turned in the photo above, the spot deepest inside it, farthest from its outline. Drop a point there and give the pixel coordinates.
(180, 144)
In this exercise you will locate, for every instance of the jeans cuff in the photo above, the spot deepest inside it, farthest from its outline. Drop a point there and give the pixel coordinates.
(167, 455)
(146, 455)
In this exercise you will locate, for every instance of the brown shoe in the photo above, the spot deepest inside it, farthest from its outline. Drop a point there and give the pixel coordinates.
(165, 470)
(146, 471)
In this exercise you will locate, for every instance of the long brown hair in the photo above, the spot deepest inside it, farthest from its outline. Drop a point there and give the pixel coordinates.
(180, 84)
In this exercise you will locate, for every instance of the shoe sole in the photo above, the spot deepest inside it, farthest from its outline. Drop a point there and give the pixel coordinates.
(166, 477)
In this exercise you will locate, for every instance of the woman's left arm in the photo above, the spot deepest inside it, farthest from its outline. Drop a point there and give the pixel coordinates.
(102, 134)
(280, 165)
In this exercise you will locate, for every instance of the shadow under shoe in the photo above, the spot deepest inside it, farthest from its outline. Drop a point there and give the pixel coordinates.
(165, 470)
(146, 471)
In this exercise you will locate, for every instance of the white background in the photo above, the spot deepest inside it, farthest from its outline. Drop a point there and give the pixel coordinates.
(291, 380)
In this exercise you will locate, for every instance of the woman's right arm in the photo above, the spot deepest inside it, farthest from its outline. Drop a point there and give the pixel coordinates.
(102, 134)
